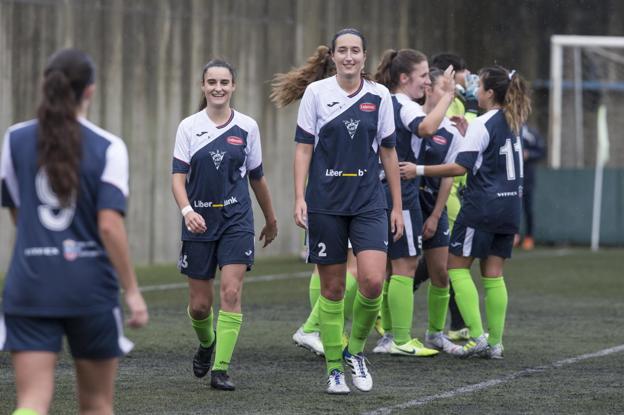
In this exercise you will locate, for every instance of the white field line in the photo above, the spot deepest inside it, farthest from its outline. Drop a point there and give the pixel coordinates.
(494, 382)
(259, 278)
(286, 276)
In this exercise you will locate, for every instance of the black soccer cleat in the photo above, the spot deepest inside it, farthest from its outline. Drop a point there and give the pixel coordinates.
(202, 360)
(221, 381)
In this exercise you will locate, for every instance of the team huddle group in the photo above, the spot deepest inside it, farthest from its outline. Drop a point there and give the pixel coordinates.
(374, 168)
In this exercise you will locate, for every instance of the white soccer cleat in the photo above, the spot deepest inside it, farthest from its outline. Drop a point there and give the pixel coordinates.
(459, 335)
(360, 376)
(383, 344)
(493, 352)
(438, 341)
(310, 341)
(336, 384)
(412, 348)
(475, 347)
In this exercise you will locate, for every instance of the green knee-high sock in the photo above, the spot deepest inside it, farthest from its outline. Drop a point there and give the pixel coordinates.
(365, 312)
(203, 329)
(401, 304)
(228, 327)
(495, 307)
(331, 319)
(314, 289)
(386, 318)
(467, 299)
(437, 301)
(350, 290)
(312, 323)
(25, 411)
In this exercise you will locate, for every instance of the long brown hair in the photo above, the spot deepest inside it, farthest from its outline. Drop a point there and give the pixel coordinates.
(59, 147)
(290, 86)
(396, 62)
(511, 92)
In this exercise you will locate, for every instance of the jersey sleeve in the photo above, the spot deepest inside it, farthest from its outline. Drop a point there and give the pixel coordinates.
(306, 118)
(8, 178)
(113, 191)
(453, 150)
(253, 151)
(473, 144)
(181, 151)
(412, 115)
(386, 130)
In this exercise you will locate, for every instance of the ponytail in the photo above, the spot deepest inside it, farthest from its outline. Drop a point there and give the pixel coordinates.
(59, 147)
(394, 63)
(288, 87)
(517, 106)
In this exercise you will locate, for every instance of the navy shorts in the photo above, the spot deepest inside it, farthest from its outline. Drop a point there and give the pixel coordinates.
(94, 336)
(471, 242)
(410, 244)
(199, 259)
(329, 235)
(442, 236)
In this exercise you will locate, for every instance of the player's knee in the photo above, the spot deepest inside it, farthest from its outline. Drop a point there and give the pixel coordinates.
(230, 296)
(199, 310)
(370, 285)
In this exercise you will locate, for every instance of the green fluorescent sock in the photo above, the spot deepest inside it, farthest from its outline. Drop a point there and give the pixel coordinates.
(228, 327)
(312, 323)
(365, 312)
(437, 301)
(350, 290)
(315, 289)
(386, 318)
(467, 299)
(495, 308)
(203, 329)
(401, 304)
(25, 411)
(331, 319)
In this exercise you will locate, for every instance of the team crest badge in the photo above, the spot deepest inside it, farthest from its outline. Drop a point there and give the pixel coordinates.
(352, 126)
(217, 157)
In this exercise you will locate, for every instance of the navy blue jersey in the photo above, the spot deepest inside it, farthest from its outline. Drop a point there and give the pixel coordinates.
(217, 160)
(492, 153)
(59, 266)
(440, 148)
(346, 131)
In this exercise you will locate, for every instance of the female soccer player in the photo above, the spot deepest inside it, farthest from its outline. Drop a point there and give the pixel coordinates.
(345, 125)
(65, 182)
(216, 149)
(406, 74)
(491, 153)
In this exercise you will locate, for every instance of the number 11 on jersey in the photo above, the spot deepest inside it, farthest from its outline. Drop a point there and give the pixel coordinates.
(507, 150)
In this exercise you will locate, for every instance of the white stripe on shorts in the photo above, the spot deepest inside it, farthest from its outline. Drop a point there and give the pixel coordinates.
(125, 345)
(2, 332)
(468, 241)
(409, 233)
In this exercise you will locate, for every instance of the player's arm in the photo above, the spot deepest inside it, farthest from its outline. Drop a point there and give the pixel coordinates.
(113, 234)
(193, 220)
(260, 188)
(303, 157)
(390, 162)
(431, 123)
(431, 224)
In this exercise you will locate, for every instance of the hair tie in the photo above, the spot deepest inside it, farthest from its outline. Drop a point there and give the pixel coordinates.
(511, 74)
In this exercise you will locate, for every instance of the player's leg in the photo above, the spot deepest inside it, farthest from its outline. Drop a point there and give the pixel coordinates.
(308, 335)
(34, 381)
(96, 383)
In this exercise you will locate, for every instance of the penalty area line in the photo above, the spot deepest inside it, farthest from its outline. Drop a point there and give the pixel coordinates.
(494, 382)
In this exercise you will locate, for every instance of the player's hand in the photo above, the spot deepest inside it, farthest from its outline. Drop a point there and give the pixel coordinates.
(448, 80)
(429, 227)
(138, 309)
(396, 224)
(195, 222)
(460, 123)
(407, 170)
(269, 232)
(301, 213)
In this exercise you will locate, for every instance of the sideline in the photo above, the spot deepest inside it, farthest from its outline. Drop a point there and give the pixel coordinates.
(494, 382)
(259, 278)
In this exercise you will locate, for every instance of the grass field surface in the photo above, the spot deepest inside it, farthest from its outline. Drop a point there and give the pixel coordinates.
(564, 350)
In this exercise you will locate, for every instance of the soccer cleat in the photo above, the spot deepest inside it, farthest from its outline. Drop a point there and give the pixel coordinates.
(203, 359)
(310, 341)
(383, 344)
(459, 335)
(438, 341)
(412, 348)
(220, 380)
(360, 376)
(336, 384)
(475, 347)
(378, 326)
(493, 352)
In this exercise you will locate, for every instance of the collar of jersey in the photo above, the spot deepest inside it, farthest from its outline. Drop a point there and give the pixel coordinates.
(222, 125)
(354, 94)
